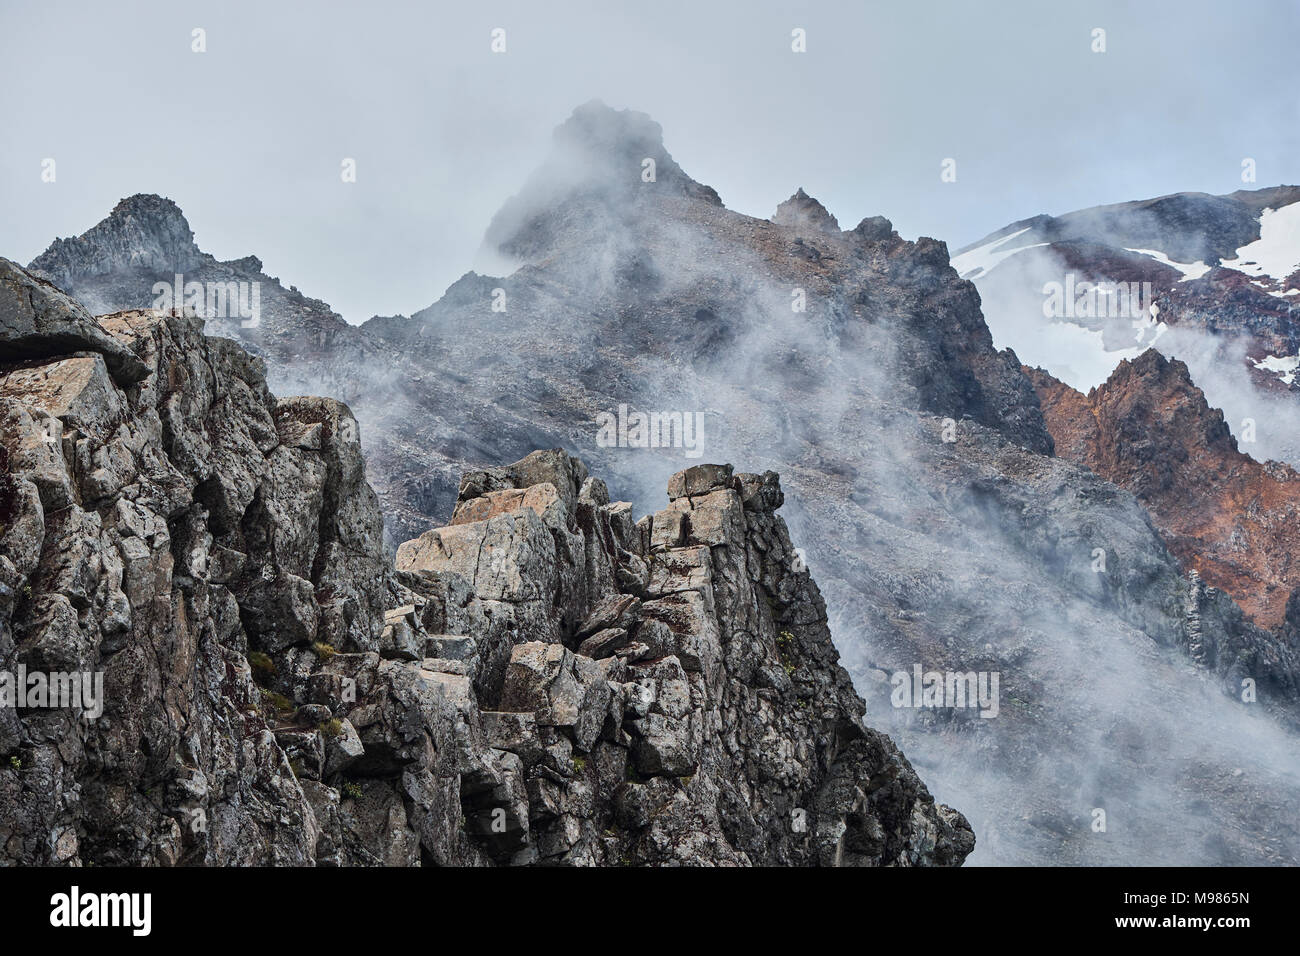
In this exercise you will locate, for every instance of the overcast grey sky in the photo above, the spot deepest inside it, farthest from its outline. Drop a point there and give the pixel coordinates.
(248, 137)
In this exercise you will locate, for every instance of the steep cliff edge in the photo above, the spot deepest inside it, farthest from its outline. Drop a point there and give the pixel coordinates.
(543, 680)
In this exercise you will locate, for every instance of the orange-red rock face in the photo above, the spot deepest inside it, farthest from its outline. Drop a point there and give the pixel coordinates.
(1148, 429)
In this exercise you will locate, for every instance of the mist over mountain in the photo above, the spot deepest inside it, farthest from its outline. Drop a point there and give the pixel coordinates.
(947, 524)
(1219, 278)
(229, 673)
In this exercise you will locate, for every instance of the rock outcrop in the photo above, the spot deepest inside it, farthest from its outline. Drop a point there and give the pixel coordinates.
(544, 680)
(1149, 429)
(665, 690)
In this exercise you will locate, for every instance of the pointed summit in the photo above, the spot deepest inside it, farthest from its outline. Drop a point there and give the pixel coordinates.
(144, 232)
(601, 148)
(605, 161)
(603, 131)
(802, 213)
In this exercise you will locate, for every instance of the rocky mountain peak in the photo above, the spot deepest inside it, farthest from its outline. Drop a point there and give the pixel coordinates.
(603, 132)
(604, 163)
(875, 229)
(143, 232)
(149, 207)
(1159, 392)
(803, 213)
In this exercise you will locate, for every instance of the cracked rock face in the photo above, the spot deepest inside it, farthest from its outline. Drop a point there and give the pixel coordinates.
(668, 687)
(544, 680)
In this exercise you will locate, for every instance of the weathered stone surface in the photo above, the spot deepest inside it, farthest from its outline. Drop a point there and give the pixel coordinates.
(538, 682)
(651, 683)
(698, 480)
(617, 610)
(39, 321)
(603, 643)
(342, 748)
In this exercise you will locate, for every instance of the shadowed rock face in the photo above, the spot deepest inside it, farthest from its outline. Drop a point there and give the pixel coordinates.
(917, 467)
(1150, 430)
(38, 320)
(543, 681)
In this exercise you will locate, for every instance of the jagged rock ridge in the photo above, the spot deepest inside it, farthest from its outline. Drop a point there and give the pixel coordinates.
(1150, 430)
(545, 680)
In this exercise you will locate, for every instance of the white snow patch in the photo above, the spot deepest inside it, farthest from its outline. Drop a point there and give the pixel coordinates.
(1075, 355)
(980, 261)
(1276, 253)
(1285, 368)
(1147, 330)
(1190, 270)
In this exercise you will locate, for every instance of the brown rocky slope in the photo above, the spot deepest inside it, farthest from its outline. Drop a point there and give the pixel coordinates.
(1232, 519)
